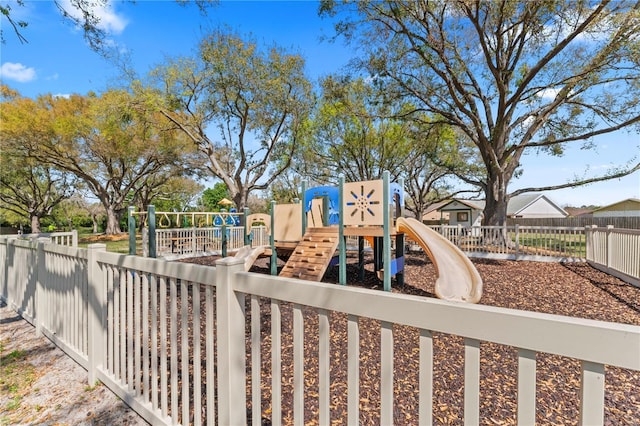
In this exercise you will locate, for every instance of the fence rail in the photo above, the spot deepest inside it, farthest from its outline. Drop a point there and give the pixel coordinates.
(184, 343)
(69, 238)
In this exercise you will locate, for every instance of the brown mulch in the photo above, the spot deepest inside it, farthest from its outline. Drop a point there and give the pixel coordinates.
(572, 289)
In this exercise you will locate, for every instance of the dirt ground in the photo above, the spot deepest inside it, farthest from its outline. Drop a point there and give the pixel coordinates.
(40, 385)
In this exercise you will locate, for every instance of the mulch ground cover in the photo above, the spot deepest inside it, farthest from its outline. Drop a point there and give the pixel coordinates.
(570, 289)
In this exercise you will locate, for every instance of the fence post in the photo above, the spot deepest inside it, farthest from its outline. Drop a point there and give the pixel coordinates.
(609, 245)
(588, 242)
(39, 303)
(97, 320)
(517, 237)
(74, 238)
(231, 344)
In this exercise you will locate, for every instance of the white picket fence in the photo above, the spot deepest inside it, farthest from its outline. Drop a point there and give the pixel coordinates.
(181, 343)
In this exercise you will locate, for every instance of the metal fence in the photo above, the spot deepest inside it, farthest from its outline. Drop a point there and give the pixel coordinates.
(183, 343)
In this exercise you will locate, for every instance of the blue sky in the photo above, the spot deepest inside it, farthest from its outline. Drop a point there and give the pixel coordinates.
(57, 60)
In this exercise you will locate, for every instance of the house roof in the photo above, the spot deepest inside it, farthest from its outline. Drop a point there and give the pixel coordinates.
(574, 211)
(628, 200)
(516, 204)
(472, 204)
(519, 203)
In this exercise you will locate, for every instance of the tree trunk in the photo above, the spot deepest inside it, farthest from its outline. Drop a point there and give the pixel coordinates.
(94, 221)
(495, 210)
(113, 224)
(495, 214)
(35, 224)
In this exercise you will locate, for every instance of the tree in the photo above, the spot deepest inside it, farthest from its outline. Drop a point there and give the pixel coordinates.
(102, 140)
(513, 76)
(244, 109)
(355, 132)
(436, 151)
(27, 188)
(168, 193)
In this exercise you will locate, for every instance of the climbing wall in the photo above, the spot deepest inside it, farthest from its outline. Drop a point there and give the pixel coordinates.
(312, 255)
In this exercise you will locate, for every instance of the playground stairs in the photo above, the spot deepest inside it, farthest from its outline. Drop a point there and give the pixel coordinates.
(311, 257)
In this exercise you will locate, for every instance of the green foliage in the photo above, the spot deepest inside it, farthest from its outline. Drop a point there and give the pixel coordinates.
(212, 196)
(119, 151)
(242, 106)
(512, 77)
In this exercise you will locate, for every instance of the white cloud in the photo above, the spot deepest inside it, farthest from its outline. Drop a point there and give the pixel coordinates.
(548, 93)
(62, 95)
(17, 72)
(109, 20)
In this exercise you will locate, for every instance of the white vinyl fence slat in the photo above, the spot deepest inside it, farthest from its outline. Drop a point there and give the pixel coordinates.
(184, 349)
(592, 401)
(324, 381)
(276, 363)
(426, 378)
(173, 347)
(256, 397)
(164, 388)
(353, 365)
(298, 365)
(210, 354)
(197, 357)
(154, 341)
(526, 387)
(471, 381)
(386, 372)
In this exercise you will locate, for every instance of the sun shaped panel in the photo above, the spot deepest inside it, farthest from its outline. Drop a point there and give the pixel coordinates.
(363, 203)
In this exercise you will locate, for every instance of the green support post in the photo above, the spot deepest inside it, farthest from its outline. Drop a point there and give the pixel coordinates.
(272, 242)
(361, 258)
(325, 211)
(247, 235)
(304, 206)
(223, 229)
(132, 230)
(151, 221)
(386, 231)
(342, 265)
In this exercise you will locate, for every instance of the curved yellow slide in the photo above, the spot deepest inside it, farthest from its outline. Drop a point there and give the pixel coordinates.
(250, 254)
(457, 278)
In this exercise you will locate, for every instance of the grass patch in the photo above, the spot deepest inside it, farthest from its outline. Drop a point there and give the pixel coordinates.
(16, 375)
(115, 243)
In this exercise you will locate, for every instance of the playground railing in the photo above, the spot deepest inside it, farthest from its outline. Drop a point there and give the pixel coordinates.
(186, 344)
(190, 242)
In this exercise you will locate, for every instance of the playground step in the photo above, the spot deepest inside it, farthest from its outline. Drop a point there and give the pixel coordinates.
(311, 257)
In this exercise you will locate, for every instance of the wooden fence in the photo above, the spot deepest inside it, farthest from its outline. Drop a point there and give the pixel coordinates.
(184, 344)
(629, 222)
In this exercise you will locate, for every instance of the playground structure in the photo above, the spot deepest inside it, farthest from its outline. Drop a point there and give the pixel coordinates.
(307, 235)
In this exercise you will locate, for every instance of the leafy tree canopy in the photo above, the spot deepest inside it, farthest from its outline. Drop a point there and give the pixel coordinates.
(511, 76)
